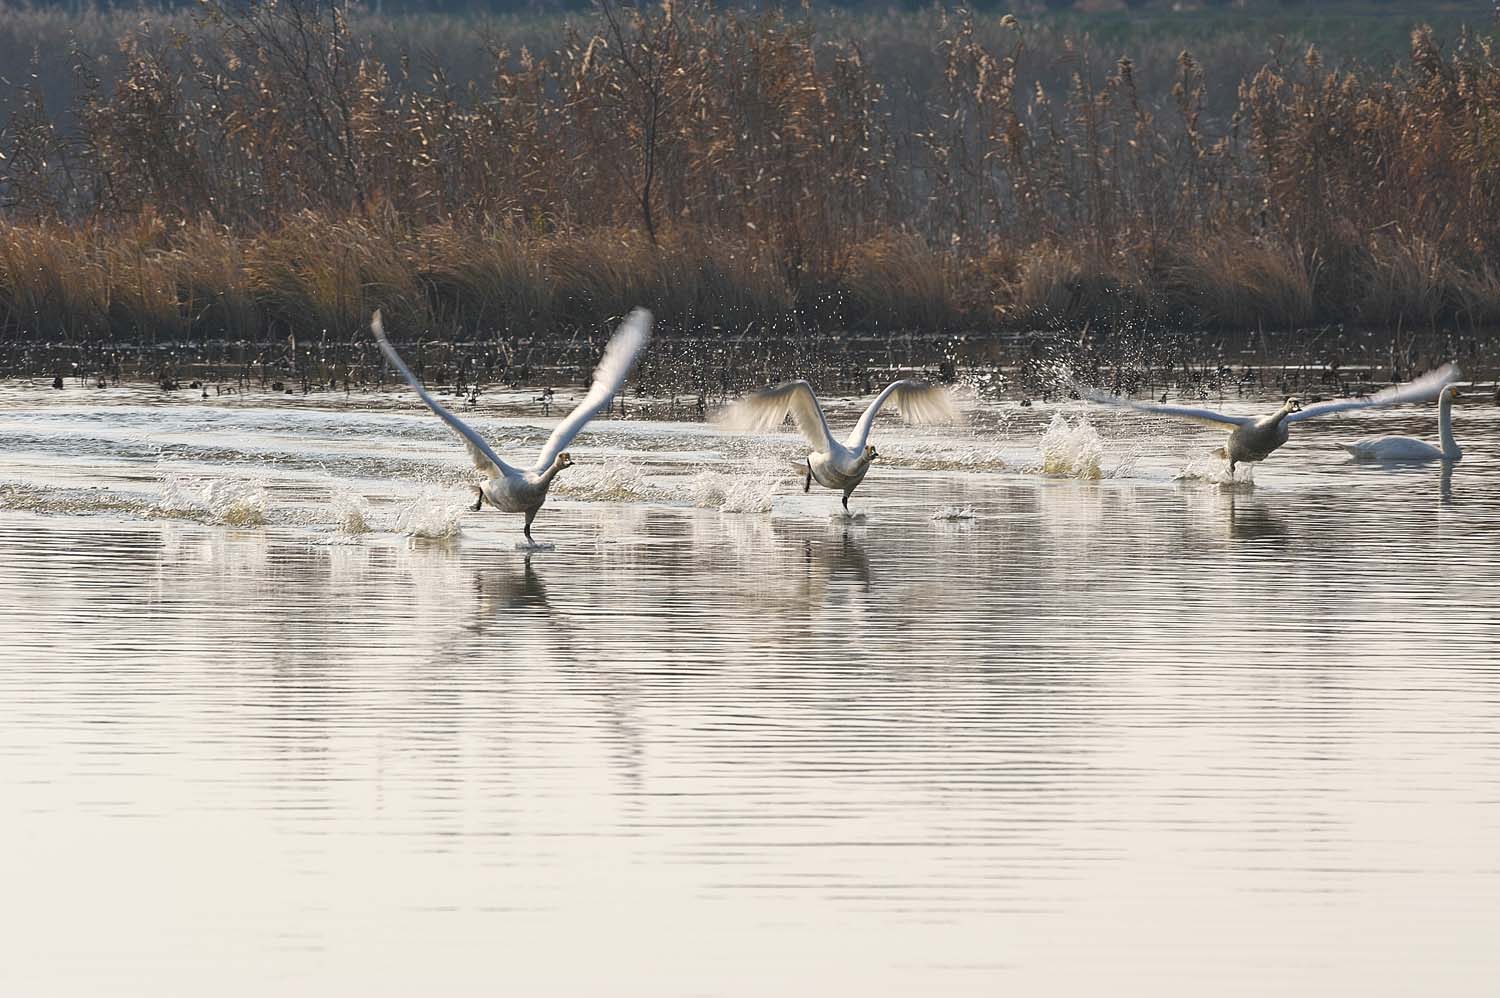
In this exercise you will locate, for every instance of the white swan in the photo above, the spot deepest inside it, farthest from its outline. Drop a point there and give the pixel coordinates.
(1254, 439)
(835, 465)
(1410, 448)
(518, 490)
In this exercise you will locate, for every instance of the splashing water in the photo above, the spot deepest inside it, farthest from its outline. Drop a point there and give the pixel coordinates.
(351, 513)
(612, 480)
(1073, 450)
(752, 493)
(220, 501)
(433, 515)
(953, 513)
(1213, 469)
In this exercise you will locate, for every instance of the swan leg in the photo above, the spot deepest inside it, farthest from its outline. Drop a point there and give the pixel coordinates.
(478, 498)
(807, 482)
(846, 502)
(530, 515)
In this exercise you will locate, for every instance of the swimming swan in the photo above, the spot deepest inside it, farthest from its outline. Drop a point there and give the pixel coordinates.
(1254, 439)
(834, 465)
(1410, 448)
(517, 490)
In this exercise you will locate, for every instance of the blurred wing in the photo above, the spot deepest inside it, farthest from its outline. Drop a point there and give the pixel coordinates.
(614, 367)
(483, 457)
(918, 401)
(1208, 416)
(1424, 389)
(768, 408)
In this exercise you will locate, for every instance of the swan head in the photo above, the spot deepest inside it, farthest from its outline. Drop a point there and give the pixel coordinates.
(564, 460)
(870, 454)
(1450, 392)
(1293, 403)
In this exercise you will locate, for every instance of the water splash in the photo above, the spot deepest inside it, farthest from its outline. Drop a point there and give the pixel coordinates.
(432, 515)
(1073, 450)
(352, 514)
(220, 501)
(611, 480)
(1213, 469)
(953, 513)
(730, 493)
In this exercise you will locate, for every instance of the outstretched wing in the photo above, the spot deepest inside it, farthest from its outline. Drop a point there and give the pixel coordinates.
(769, 407)
(614, 367)
(1424, 389)
(918, 401)
(484, 458)
(1207, 416)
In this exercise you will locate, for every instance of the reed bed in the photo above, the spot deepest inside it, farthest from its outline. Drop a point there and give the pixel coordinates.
(271, 170)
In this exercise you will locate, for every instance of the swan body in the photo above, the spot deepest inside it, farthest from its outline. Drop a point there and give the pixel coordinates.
(511, 489)
(1410, 448)
(834, 464)
(1255, 439)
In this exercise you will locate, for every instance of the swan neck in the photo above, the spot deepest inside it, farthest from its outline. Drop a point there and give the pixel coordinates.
(550, 474)
(1445, 426)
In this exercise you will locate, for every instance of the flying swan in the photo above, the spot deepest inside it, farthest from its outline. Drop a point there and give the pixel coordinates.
(1410, 448)
(520, 490)
(1254, 439)
(834, 465)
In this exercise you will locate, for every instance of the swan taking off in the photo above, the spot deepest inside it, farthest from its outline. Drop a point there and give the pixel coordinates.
(1410, 448)
(1254, 438)
(523, 490)
(834, 465)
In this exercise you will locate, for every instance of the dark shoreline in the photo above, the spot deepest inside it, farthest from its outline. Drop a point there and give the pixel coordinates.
(1327, 361)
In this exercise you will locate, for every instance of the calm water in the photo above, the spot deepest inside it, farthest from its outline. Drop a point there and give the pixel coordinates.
(278, 717)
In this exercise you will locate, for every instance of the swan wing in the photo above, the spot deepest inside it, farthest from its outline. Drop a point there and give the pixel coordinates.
(766, 410)
(614, 367)
(918, 401)
(1423, 389)
(485, 459)
(1209, 416)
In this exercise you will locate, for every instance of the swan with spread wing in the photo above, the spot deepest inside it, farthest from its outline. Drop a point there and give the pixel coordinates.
(523, 490)
(836, 465)
(1255, 438)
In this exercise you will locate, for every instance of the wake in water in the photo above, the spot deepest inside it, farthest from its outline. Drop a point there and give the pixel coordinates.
(351, 512)
(1072, 450)
(433, 515)
(219, 501)
(1076, 450)
(1213, 469)
(977, 458)
(746, 492)
(609, 481)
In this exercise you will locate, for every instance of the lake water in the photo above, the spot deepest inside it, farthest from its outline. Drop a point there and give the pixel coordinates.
(279, 716)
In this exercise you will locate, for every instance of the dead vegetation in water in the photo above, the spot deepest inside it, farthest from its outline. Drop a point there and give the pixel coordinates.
(733, 169)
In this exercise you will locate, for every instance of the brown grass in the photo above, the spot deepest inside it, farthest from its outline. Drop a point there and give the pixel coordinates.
(729, 169)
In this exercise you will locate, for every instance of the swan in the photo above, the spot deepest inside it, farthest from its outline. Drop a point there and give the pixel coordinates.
(523, 490)
(1410, 448)
(1254, 438)
(835, 465)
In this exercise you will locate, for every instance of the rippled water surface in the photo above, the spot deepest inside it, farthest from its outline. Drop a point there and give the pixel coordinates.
(278, 715)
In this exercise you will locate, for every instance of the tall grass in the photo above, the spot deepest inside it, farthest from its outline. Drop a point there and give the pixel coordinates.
(260, 169)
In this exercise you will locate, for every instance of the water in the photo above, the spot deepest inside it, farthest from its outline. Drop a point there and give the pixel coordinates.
(1046, 716)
